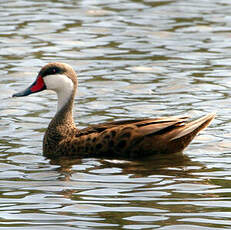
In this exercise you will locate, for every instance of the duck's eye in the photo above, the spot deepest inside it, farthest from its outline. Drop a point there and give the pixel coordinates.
(52, 70)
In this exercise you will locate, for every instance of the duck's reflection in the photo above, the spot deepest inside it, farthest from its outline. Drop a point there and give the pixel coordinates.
(92, 179)
(170, 164)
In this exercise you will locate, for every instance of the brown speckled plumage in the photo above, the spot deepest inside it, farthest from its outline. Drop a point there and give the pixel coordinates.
(129, 138)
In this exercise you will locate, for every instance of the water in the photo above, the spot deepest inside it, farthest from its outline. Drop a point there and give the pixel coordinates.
(134, 59)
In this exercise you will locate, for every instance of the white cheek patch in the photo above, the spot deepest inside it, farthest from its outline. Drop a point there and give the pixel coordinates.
(62, 85)
(58, 82)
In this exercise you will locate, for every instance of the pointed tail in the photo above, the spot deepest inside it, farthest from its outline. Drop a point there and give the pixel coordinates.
(194, 127)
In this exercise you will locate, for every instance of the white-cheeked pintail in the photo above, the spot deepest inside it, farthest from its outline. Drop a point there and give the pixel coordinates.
(127, 138)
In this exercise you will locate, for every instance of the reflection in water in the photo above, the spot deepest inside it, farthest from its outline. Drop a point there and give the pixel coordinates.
(157, 165)
(134, 58)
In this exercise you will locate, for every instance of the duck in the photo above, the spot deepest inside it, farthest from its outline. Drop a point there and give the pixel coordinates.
(131, 138)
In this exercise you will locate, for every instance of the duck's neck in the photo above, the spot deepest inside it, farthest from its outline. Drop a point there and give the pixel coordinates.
(65, 89)
(65, 100)
(63, 122)
(64, 114)
(62, 126)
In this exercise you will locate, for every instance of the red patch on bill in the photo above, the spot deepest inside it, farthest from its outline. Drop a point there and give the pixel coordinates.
(39, 85)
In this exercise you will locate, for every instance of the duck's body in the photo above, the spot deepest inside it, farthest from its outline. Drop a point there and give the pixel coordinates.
(129, 138)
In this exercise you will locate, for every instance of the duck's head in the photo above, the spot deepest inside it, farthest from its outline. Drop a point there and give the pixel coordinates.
(59, 77)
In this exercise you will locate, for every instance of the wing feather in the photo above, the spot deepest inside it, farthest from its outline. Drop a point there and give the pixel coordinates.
(147, 126)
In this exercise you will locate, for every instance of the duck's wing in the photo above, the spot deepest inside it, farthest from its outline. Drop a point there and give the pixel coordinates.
(139, 137)
(146, 125)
